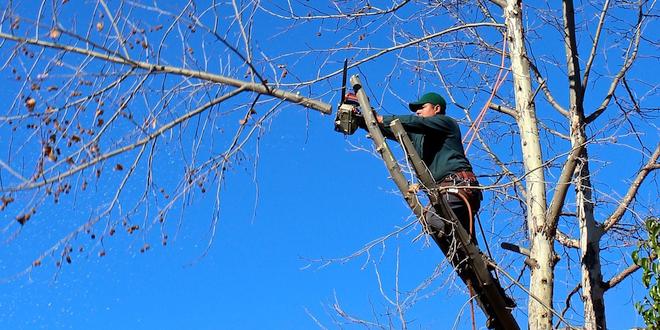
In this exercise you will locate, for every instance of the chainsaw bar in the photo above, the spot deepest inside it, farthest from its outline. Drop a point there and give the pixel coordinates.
(343, 82)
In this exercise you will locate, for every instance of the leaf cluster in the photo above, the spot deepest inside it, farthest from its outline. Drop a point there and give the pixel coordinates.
(646, 256)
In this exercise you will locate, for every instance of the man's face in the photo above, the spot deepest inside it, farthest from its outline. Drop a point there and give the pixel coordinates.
(428, 110)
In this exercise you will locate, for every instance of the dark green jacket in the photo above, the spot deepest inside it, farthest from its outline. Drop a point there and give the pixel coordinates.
(437, 139)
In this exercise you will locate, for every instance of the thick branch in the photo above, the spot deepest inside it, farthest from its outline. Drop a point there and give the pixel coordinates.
(572, 61)
(156, 68)
(621, 276)
(576, 114)
(559, 196)
(500, 3)
(384, 151)
(425, 176)
(503, 109)
(632, 191)
(566, 241)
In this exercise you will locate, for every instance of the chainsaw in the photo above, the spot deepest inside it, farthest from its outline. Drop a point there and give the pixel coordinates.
(348, 113)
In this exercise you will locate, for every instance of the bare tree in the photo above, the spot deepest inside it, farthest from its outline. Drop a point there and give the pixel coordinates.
(101, 99)
(100, 90)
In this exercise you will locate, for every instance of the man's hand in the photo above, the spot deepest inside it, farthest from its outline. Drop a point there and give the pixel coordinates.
(351, 99)
(362, 124)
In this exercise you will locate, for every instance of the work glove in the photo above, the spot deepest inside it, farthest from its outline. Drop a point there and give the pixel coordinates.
(351, 99)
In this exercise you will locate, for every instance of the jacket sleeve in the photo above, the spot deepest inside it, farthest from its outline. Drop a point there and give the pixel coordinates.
(420, 125)
(385, 128)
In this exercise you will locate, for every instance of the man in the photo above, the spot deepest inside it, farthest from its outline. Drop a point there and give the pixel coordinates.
(437, 139)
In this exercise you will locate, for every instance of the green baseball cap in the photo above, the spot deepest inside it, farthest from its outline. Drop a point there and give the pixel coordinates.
(432, 98)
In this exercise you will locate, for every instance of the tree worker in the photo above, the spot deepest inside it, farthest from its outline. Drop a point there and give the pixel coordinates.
(437, 139)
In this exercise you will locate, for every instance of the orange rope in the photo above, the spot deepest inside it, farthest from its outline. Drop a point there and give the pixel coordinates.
(467, 204)
(498, 82)
(469, 284)
(475, 125)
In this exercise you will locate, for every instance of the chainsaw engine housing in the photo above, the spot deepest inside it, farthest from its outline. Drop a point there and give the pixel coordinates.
(346, 120)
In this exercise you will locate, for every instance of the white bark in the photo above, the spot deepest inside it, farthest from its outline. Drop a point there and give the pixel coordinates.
(541, 234)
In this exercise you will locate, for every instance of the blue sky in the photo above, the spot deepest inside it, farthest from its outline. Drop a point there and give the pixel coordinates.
(255, 274)
(315, 196)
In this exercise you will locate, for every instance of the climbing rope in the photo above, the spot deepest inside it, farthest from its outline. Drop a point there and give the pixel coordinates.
(498, 82)
(481, 228)
(467, 203)
(469, 284)
(483, 236)
(472, 296)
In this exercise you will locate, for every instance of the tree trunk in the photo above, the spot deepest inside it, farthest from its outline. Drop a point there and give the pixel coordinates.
(590, 233)
(541, 234)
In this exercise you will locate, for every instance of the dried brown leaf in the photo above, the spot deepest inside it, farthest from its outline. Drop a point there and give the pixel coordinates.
(30, 103)
(55, 33)
(23, 218)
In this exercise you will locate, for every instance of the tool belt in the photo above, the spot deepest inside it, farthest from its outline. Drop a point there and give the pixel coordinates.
(461, 181)
(462, 175)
